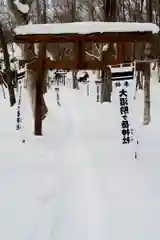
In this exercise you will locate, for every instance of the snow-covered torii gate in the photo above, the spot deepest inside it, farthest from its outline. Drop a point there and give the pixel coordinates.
(79, 33)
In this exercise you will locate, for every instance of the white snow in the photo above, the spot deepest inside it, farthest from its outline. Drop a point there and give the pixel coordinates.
(85, 28)
(78, 181)
(24, 8)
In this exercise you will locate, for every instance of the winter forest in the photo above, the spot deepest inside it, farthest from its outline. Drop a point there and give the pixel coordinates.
(79, 122)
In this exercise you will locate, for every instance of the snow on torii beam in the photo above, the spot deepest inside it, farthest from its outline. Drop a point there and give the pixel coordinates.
(80, 33)
(86, 32)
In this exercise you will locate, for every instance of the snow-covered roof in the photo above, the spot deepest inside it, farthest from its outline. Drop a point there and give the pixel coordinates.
(85, 28)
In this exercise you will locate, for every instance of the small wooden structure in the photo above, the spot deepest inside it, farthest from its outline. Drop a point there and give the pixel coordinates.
(79, 33)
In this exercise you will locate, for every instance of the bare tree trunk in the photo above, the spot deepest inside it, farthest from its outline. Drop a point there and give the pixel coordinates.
(147, 74)
(75, 81)
(147, 115)
(38, 11)
(28, 53)
(107, 55)
(7, 68)
(90, 10)
(74, 73)
(106, 88)
(110, 7)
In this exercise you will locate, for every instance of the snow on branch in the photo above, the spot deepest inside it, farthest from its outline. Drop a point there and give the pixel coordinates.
(105, 48)
(98, 50)
(91, 55)
(23, 8)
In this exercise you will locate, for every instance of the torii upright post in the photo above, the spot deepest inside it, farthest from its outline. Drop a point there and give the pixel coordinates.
(39, 91)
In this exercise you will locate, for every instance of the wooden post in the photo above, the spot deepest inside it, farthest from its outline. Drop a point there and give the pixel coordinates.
(38, 102)
(79, 56)
(39, 90)
(7, 68)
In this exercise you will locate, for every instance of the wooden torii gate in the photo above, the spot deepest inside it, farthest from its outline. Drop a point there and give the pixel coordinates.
(97, 33)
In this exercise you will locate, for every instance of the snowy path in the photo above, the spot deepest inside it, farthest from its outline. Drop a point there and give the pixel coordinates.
(78, 181)
(79, 213)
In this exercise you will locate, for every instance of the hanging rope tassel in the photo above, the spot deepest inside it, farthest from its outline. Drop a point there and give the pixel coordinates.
(98, 93)
(98, 85)
(19, 119)
(134, 132)
(57, 97)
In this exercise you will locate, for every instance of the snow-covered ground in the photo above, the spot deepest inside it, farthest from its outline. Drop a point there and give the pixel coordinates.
(78, 181)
